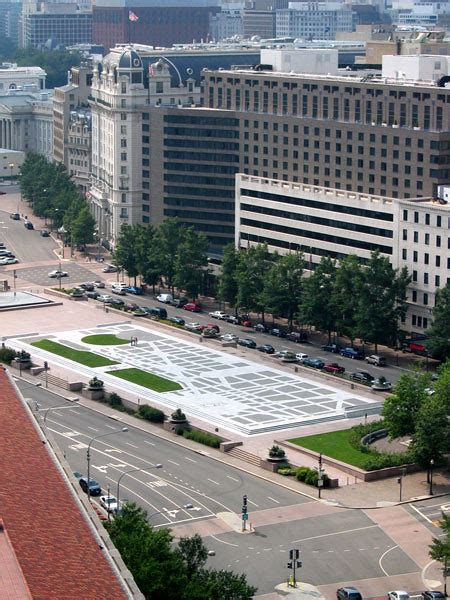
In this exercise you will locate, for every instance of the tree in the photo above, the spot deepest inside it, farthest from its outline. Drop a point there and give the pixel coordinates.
(219, 585)
(194, 554)
(438, 343)
(83, 227)
(348, 282)
(440, 547)
(168, 237)
(191, 261)
(283, 285)
(126, 251)
(228, 286)
(382, 300)
(442, 385)
(401, 410)
(430, 440)
(252, 268)
(317, 302)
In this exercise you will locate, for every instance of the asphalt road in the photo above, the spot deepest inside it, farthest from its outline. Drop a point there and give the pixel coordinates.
(341, 545)
(27, 245)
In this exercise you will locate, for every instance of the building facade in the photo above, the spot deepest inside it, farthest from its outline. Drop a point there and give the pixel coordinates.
(314, 20)
(13, 77)
(10, 163)
(79, 148)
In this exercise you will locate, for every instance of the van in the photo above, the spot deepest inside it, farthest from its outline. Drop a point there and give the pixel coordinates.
(165, 298)
(160, 313)
(374, 359)
(119, 285)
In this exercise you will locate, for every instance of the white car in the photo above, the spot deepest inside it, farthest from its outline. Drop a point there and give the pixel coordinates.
(99, 284)
(105, 298)
(229, 337)
(109, 503)
(8, 261)
(58, 274)
(120, 291)
(398, 595)
(301, 356)
(219, 314)
(193, 326)
(282, 353)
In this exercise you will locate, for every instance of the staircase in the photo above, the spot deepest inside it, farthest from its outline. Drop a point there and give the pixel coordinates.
(244, 456)
(53, 380)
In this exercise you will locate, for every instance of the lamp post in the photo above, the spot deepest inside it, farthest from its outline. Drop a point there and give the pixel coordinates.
(62, 230)
(157, 466)
(11, 167)
(88, 454)
(431, 476)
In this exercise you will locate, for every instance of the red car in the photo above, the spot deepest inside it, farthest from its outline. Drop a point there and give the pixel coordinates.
(192, 306)
(334, 368)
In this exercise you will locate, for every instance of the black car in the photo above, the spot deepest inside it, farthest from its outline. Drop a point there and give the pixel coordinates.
(94, 487)
(297, 336)
(177, 320)
(92, 295)
(433, 596)
(315, 363)
(334, 348)
(261, 328)
(348, 593)
(234, 320)
(89, 287)
(179, 302)
(117, 302)
(278, 332)
(266, 348)
(247, 343)
(28, 225)
(362, 376)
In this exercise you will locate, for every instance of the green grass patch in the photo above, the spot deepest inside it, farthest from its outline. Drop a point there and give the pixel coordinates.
(146, 379)
(335, 444)
(104, 339)
(80, 356)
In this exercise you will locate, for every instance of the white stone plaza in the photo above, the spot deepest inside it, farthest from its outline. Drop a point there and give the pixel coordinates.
(222, 388)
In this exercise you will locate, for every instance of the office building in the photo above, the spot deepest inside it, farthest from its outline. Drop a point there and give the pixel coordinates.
(9, 21)
(156, 22)
(10, 163)
(318, 221)
(314, 20)
(79, 148)
(227, 23)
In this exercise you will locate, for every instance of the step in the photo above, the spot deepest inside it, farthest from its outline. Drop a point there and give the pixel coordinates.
(245, 456)
(54, 380)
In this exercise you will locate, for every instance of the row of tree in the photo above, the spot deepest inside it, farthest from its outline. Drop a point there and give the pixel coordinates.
(164, 572)
(52, 194)
(420, 408)
(365, 301)
(171, 253)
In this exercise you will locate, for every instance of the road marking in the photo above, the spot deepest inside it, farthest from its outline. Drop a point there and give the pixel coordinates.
(212, 481)
(381, 558)
(174, 463)
(254, 503)
(190, 459)
(421, 514)
(267, 549)
(223, 542)
(233, 478)
(149, 443)
(345, 551)
(376, 547)
(106, 425)
(132, 445)
(330, 551)
(273, 499)
(315, 537)
(92, 428)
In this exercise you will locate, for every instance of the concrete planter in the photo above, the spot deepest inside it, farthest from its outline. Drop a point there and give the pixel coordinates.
(93, 394)
(174, 425)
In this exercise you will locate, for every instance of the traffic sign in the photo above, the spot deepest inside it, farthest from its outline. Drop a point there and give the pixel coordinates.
(245, 517)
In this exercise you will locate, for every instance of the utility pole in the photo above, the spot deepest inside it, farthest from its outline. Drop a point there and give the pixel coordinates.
(294, 564)
(320, 478)
(46, 373)
(244, 512)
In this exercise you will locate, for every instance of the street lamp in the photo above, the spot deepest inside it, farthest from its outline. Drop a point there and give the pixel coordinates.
(157, 466)
(431, 476)
(62, 230)
(88, 454)
(11, 167)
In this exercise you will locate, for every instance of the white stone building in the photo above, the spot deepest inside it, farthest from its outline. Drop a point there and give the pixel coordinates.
(13, 77)
(79, 148)
(10, 163)
(314, 20)
(123, 87)
(327, 222)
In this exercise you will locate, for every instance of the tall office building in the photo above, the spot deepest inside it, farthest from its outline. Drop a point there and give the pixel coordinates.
(314, 20)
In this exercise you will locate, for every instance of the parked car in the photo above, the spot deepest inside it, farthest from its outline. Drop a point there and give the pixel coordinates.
(117, 302)
(109, 503)
(180, 302)
(8, 260)
(351, 353)
(433, 595)
(315, 363)
(119, 291)
(94, 487)
(398, 595)
(362, 376)
(177, 320)
(297, 336)
(99, 284)
(4, 253)
(14, 216)
(165, 298)
(109, 269)
(334, 348)
(247, 343)
(106, 298)
(375, 359)
(192, 307)
(261, 328)
(193, 326)
(160, 313)
(135, 290)
(289, 357)
(301, 356)
(348, 593)
(213, 326)
(45, 233)
(334, 368)
(28, 225)
(58, 274)
(89, 287)
(266, 348)
(131, 306)
(278, 332)
(229, 337)
(233, 319)
(140, 312)
(92, 295)
(218, 314)
(282, 353)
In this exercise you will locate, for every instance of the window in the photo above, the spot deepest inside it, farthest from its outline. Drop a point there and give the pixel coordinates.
(404, 254)
(415, 256)
(437, 281)
(414, 296)
(416, 237)
(438, 241)
(438, 261)
(414, 275)
(425, 278)
(427, 239)
(123, 156)
(405, 215)
(438, 221)
(427, 218)
(425, 299)
(426, 258)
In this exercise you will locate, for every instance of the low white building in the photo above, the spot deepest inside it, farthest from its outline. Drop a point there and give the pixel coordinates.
(302, 60)
(10, 163)
(13, 77)
(322, 221)
(314, 20)
(423, 67)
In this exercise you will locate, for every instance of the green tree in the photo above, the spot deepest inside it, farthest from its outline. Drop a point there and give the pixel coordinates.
(442, 385)
(438, 343)
(440, 547)
(56, 63)
(382, 300)
(219, 585)
(228, 286)
(348, 283)
(83, 227)
(193, 553)
(430, 439)
(401, 409)
(168, 238)
(317, 304)
(283, 285)
(252, 267)
(126, 252)
(191, 261)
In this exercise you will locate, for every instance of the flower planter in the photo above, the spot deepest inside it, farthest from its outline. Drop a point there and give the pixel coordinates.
(93, 393)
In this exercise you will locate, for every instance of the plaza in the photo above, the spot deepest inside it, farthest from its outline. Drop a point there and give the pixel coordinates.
(221, 388)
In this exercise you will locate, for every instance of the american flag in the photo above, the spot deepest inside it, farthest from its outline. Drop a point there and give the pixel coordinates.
(132, 16)
(151, 72)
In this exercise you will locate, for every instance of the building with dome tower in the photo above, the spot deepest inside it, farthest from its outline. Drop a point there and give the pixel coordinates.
(124, 86)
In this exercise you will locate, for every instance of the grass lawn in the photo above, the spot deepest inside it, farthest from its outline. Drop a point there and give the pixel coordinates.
(146, 379)
(105, 339)
(335, 445)
(81, 356)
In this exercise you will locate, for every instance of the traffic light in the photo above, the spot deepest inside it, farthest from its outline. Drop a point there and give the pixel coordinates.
(244, 499)
(289, 565)
(244, 505)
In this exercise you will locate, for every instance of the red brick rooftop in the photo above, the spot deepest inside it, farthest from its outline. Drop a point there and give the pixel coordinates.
(55, 548)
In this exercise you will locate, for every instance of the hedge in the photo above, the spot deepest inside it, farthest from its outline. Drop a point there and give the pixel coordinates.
(7, 355)
(203, 437)
(150, 414)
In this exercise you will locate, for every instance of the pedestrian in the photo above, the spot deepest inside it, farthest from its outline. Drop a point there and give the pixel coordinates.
(135, 341)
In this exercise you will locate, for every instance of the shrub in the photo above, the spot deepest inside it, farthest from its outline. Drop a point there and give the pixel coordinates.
(276, 452)
(7, 355)
(114, 399)
(203, 437)
(23, 356)
(95, 384)
(178, 415)
(286, 471)
(311, 476)
(302, 473)
(151, 414)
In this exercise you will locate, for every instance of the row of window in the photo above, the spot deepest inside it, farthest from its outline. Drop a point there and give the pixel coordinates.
(426, 218)
(211, 193)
